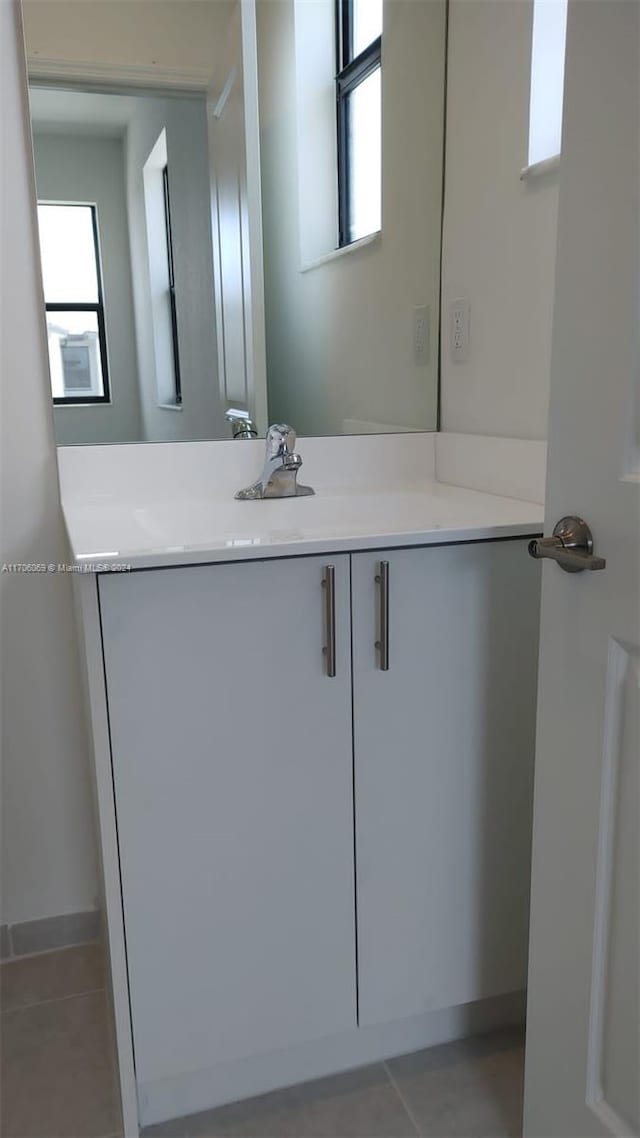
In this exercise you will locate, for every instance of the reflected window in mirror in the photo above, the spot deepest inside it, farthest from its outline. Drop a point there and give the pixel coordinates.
(548, 51)
(177, 392)
(162, 283)
(359, 102)
(72, 280)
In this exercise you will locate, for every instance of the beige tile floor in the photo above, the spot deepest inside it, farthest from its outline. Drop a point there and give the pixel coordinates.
(57, 1080)
(55, 1062)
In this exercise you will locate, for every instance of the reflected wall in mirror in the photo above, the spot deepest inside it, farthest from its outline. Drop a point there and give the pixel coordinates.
(240, 213)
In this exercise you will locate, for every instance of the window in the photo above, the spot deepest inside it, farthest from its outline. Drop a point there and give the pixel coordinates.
(172, 285)
(547, 79)
(163, 311)
(74, 303)
(359, 99)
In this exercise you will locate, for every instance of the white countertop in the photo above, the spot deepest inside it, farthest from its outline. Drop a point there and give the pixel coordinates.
(178, 532)
(146, 505)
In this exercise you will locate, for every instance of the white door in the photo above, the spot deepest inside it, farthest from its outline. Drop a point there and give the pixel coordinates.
(443, 755)
(232, 768)
(236, 203)
(582, 1064)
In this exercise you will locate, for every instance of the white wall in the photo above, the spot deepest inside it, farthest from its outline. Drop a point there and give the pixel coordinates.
(499, 241)
(339, 337)
(184, 120)
(78, 168)
(48, 848)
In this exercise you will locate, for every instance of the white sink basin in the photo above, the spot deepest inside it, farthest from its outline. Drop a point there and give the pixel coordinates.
(263, 521)
(178, 531)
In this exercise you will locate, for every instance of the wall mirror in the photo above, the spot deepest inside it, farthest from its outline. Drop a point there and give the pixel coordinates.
(239, 209)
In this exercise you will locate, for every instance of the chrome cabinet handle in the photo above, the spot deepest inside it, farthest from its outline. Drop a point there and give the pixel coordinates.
(571, 546)
(329, 586)
(382, 645)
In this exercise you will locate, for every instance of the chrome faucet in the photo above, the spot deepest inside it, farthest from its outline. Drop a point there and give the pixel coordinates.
(242, 427)
(279, 478)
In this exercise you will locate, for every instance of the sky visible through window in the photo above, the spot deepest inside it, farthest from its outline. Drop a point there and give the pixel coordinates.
(547, 79)
(68, 254)
(367, 23)
(365, 125)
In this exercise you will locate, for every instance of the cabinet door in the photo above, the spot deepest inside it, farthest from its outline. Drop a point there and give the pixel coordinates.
(444, 746)
(232, 764)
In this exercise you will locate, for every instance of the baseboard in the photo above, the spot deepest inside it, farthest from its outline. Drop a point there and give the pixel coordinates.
(189, 1092)
(26, 938)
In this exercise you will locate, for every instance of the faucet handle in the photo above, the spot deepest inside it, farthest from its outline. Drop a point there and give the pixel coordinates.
(280, 440)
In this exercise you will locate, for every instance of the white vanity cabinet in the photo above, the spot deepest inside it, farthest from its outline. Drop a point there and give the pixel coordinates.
(306, 860)
(232, 770)
(443, 757)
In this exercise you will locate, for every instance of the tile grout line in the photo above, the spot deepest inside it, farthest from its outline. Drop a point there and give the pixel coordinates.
(52, 1000)
(412, 1118)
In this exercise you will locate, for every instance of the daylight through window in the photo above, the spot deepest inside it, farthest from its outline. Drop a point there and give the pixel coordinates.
(359, 99)
(74, 303)
(547, 79)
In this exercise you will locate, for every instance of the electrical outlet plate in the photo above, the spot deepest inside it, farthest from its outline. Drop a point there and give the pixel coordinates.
(421, 335)
(459, 323)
